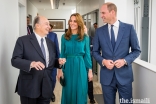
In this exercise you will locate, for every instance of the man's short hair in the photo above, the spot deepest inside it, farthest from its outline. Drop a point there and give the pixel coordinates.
(95, 23)
(36, 20)
(66, 30)
(51, 26)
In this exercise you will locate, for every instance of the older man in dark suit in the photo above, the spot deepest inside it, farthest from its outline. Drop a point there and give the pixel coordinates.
(35, 56)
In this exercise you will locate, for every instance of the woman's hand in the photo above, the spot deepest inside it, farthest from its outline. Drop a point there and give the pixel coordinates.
(90, 75)
(62, 61)
(59, 74)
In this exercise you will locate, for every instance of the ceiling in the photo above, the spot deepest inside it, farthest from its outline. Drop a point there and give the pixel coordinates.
(63, 4)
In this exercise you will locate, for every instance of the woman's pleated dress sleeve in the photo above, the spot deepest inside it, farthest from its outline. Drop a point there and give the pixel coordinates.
(87, 56)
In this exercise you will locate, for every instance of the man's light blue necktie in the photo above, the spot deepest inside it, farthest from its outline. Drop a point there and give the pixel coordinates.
(112, 37)
(43, 49)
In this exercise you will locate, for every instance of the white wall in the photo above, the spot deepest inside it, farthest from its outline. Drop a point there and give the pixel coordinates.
(31, 10)
(144, 80)
(86, 6)
(153, 32)
(57, 14)
(22, 18)
(9, 30)
(1, 32)
(23, 2)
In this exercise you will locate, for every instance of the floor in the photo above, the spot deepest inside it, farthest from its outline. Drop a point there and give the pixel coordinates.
(58, 90)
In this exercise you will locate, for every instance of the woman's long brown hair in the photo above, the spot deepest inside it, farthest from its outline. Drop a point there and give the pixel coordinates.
(80, 31)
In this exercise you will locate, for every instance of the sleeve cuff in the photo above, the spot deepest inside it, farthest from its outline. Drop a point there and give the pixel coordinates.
(102, 63)
(125, 61)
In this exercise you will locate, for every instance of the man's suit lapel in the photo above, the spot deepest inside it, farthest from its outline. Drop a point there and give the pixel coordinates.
(120, 35)
(35, 44)
(49, 49)
(107, 38)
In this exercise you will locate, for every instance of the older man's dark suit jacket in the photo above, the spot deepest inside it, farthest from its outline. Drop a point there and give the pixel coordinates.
(31, 82)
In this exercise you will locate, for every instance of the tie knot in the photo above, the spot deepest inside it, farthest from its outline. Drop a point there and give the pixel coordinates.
(42, 39)
(112, 25)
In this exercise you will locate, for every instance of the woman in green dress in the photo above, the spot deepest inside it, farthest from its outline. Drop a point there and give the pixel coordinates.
(77, 69)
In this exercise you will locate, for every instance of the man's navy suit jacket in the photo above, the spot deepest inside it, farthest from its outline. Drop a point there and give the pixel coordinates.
(33, 83)
(102, 49)
(53, 37)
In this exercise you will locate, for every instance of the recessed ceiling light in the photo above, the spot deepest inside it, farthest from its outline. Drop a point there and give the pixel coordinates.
(52, 4)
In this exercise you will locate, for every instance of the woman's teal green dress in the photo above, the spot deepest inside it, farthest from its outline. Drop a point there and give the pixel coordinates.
(78, 61)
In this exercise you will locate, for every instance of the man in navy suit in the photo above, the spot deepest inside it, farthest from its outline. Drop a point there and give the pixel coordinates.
(35, 56)
(53, 37)
(115, 47)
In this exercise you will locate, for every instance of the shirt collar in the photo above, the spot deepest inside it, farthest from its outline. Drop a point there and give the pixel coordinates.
(116, 24)
(39, 37)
